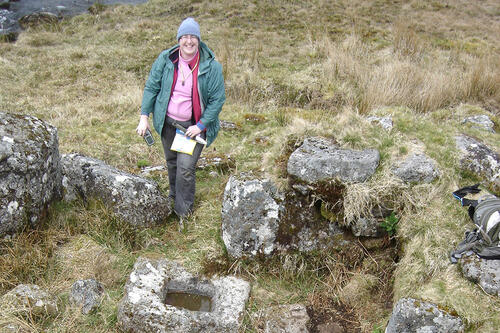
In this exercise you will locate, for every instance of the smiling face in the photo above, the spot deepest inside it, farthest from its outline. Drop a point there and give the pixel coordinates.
(188, 46)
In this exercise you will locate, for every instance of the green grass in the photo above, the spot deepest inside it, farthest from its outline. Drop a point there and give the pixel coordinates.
(303, 69)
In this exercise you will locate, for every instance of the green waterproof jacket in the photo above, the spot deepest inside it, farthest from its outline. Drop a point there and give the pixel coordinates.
(210, 89)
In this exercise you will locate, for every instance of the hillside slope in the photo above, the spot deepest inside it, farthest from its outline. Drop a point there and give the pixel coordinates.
(292, 69)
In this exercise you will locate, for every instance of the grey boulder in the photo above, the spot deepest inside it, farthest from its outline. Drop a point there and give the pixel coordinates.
(321, 160)
(30, 169)
(29, 299)
(480, 159)
(251, 211)
(136, 200)
(257, 219)
(411, 315)
(484, 272)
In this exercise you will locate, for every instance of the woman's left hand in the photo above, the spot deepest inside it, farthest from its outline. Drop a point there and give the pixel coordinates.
(193, 131)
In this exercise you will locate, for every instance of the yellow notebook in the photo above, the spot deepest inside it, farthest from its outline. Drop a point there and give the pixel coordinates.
(182, 143)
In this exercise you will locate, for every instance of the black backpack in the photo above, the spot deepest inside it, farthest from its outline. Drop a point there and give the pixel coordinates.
(485, 213)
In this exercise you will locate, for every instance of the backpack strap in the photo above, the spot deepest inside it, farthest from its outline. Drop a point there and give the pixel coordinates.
(461, 193)
(490, 253)
(466, 190)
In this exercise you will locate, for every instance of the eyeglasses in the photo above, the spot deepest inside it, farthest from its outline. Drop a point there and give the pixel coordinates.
(186, 37)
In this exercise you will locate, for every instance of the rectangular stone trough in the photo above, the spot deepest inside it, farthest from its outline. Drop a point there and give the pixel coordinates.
(160, 296)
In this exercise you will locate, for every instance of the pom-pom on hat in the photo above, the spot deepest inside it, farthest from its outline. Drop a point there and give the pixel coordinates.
(189, 27)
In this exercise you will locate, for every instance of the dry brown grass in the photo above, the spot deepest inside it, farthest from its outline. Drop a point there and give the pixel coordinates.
(26, 259)
(82, 258)
(406, 77)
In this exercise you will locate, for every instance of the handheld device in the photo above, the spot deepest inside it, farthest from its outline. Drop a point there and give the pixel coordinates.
(148, 137)
(179, 127)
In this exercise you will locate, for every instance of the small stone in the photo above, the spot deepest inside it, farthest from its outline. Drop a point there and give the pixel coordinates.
(484, 272)
(87, 294)
(216, 161)
(146, 171)
(417, 168)
(60, 9)
(385, 122)
(330, 328)
(481, 122)
(228, 126)
(291, 318)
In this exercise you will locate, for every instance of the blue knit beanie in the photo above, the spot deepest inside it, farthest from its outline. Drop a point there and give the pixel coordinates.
(189, 27)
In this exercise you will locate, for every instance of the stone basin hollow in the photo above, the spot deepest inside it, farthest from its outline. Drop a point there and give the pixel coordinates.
(189, 301)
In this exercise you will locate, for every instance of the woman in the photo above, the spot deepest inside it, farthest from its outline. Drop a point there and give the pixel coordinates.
(185, 86)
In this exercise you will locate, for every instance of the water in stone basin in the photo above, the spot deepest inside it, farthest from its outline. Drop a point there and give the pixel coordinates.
(192, 302)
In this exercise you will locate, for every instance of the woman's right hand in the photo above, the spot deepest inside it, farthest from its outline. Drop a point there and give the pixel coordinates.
(143, 125)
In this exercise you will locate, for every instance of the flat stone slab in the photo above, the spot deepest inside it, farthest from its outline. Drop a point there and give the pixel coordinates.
(484, 272)
(143, 307)
(321, 160)
(412, 315)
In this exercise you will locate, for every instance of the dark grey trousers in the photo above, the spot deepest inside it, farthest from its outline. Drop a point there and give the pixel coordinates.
(181, 170)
